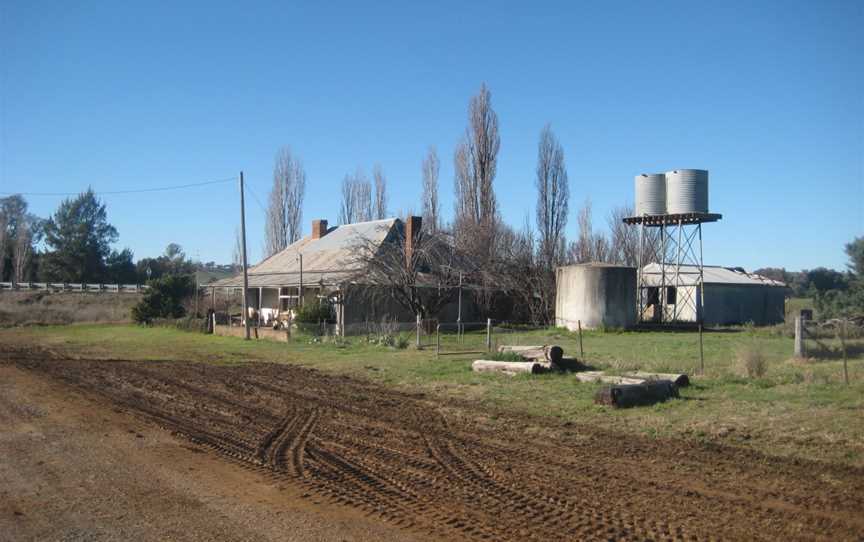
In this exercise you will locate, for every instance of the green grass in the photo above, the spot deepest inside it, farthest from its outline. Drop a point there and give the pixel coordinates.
(797, 408)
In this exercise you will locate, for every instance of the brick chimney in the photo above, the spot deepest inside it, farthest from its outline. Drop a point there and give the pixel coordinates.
(412, 230)
(319, 228)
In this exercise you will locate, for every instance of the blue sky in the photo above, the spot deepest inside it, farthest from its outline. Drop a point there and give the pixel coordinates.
(768, 96)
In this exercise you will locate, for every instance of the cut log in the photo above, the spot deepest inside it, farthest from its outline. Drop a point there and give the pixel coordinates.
(600, 376)
(509, 367)
(680, 380)
(550, 353)
(631, 395)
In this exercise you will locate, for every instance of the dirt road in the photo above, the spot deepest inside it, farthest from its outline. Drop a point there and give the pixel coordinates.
(442, 471)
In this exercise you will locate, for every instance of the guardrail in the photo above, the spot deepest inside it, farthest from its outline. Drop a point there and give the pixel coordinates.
(73, 287)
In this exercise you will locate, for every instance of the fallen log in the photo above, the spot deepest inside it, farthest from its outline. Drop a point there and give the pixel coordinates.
(631, 395)
(548, 353)
(681, 380)
(509, 367)
(600, 376)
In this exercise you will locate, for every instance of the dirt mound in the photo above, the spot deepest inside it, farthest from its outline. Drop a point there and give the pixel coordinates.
(442, 470)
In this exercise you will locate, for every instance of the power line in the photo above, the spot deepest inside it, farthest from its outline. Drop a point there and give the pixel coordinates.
(131, 191)
(258, 201)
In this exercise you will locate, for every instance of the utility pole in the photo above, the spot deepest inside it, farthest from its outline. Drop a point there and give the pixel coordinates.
(243, 247)
(300, 288)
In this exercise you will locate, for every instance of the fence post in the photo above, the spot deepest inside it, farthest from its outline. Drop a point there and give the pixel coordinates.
(419, 323)
(437, 340)
(581, 350)
(799, 338)
(843, 345)
(488, 334)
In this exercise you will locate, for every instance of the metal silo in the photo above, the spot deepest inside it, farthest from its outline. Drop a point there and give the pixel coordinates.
(687, 191)
(650, 194)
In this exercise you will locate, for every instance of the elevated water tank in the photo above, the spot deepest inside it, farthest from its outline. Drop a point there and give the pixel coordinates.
(686, 191)
(598, 295)
(650, 194)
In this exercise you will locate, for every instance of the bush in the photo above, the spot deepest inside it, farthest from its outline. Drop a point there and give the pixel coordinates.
(164, 299)
(314, 313)
(751, 360)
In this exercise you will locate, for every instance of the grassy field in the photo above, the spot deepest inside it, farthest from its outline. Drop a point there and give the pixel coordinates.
(797, 408)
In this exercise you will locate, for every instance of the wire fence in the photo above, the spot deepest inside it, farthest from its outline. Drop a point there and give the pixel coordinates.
(73, 287)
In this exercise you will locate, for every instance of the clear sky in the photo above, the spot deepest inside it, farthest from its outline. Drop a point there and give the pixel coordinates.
(768, 96)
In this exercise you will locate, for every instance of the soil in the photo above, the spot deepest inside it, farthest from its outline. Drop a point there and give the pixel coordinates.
(431, 469)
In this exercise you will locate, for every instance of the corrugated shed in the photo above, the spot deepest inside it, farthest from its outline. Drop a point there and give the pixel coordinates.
(689, 275)
(329, 260)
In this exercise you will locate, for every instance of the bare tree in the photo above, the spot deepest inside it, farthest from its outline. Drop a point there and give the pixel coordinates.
(431, 208)
(422, 279)
(589, 246)
(624, 245)
(553, 198)
(475, 163)
(283, 225)
(22, 250)
(380, 204)
(356, 199)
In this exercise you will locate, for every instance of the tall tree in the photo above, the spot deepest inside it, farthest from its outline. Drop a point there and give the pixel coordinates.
(13, 216)
(283, 224)
(22, 250)
(553, 198)
(380, 204)
(356, 199)
(431, 207)
(475, 163)
(79, 236)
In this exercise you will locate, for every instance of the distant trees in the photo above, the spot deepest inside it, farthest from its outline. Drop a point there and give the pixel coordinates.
(356, 203)
(379, 208)
(431, 205)
(841, 298)
(80, 238)
(589, 246)
(283, 223)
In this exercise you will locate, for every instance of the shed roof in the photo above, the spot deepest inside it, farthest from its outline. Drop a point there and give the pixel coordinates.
(331, 259)
(712, 275)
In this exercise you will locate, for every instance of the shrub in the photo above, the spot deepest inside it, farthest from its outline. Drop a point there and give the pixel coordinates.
(164, 299)
(751, 360)
(314, 313)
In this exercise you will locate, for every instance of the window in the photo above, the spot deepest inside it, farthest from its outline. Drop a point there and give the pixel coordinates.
(671, 295)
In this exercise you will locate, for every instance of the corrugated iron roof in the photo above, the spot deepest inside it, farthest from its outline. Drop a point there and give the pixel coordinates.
(689, 275)
(331, 259)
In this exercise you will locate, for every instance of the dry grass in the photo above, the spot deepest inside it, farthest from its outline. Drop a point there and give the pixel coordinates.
(751, 359)
(41, 308)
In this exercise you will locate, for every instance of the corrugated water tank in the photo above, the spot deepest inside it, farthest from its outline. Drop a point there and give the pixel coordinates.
(650, 194)
(687, 191)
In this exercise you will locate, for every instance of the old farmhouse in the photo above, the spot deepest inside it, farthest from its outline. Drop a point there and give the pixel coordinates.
(330, 266)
